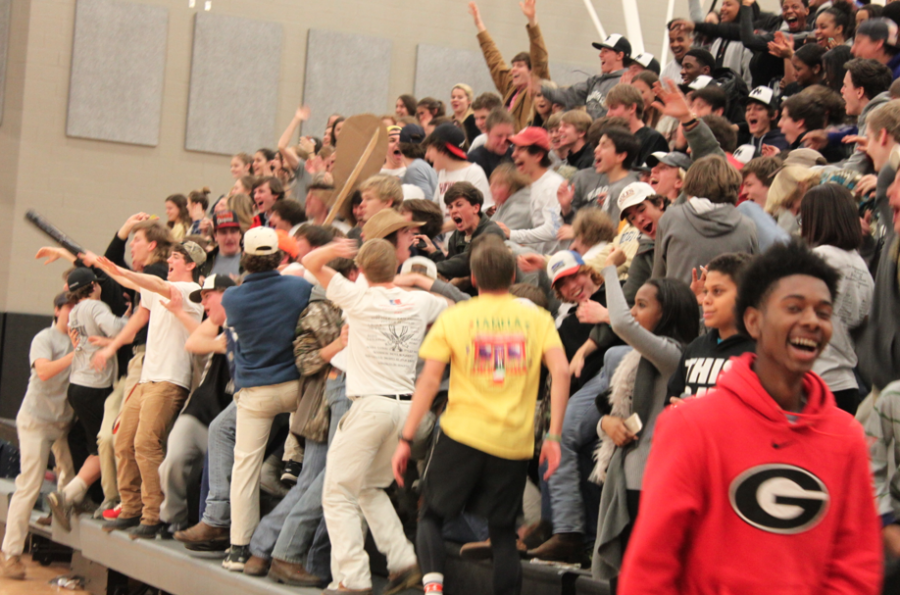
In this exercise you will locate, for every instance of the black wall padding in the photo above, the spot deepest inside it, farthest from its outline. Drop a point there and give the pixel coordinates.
(16, 333)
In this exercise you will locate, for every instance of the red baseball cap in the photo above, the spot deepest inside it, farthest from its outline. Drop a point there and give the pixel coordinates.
(532, 135)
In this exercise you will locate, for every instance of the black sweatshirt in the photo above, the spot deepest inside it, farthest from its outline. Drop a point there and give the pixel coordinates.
(703, 360)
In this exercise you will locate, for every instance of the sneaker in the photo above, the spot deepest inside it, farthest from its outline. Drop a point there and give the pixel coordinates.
(111, 514)
(402, 580)
(62, 510)
(236, 558)
(107, 505)
(291, 472)
(143, 531)
(12, 567)
(122, 523)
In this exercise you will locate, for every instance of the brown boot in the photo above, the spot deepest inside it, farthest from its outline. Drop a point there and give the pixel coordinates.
(256, 566)
(562, 547)
(203, 537)
(292, 574)
(12, 567)
(402, 580)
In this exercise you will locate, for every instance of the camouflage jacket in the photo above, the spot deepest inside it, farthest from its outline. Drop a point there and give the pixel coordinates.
(319, 325)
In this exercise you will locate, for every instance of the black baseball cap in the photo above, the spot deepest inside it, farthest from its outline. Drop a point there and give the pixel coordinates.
(616, 43)
(61, 300)
(450, 137)
(80, 277)
(212, 283)
(412, 133)
(647, 60)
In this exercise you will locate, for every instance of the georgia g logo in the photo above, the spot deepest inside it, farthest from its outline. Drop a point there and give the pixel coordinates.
(779, 498)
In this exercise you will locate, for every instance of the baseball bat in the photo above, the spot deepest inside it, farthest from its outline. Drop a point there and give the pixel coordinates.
(54, 232)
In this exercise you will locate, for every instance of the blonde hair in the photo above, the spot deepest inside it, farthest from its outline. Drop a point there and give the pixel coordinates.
(465, 89)
(788, 187)
(243, 207)
(387, 188)
(593, 226)
(378, 261)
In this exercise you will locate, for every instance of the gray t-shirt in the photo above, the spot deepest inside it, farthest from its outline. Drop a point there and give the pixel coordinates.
(226, 265)
(593, 189)
(93, 318)
(45, 400)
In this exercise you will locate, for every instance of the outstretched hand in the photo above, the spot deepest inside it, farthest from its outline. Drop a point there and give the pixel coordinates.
(528, 10)
(476, 16)
(672, 101)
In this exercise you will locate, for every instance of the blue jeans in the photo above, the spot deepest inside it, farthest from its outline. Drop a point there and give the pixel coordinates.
(288, 532)
(221, 460)
(579, 434)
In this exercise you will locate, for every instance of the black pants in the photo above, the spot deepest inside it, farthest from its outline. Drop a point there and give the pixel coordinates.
(458, 478)
(88, 405)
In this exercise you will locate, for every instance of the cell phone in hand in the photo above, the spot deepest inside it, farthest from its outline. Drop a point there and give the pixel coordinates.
(633, 423)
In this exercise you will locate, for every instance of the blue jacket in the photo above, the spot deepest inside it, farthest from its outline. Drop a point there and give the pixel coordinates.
(262, 313)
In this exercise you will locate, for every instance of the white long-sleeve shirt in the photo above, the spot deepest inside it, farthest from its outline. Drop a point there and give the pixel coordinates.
(545, 214)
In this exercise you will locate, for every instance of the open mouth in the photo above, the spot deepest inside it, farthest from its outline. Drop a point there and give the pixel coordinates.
(458, 222)
(804, 348)
(752, 121)
(648, 229)
(654, 182)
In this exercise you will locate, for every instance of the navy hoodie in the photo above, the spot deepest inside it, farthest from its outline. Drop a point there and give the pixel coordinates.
(703, 360)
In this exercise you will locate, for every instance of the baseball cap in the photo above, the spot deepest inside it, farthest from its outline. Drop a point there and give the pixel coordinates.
(880, 29)
(647, 60)
(421, 265)
(744, 153)
(197, 254)
(287, 244)
(634, 194)
(673, 159)
(212, 283)
(562, 264)
(384, 223)
(763, 95)
(701, 82)
(805, 157)
(60, 300)
(260, 241)
(616, 43)
(412, 133)
(80, 277)
(452, 138)
(226, 219)
(532, 135)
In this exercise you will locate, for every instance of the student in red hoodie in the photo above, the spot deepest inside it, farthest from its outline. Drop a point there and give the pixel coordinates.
(763, 486)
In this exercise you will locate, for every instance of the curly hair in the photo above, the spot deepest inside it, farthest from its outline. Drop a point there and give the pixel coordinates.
(778, 262)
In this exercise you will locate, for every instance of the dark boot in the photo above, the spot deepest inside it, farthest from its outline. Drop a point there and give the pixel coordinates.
(143, 531)
(122, 523)
(293, 574)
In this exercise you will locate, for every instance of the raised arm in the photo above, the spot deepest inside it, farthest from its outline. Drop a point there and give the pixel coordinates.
(496, 65)
(540, 62)
(757, 43)
(663, 353)
(315, 262)
(134, 280)
(284, 143)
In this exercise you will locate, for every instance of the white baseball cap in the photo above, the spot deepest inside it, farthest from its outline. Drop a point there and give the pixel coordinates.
(421, 265)
(634, 194)
(260, 241)
(562, 264)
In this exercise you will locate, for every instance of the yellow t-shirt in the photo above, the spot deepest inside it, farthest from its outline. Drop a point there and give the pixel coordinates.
(494, 346)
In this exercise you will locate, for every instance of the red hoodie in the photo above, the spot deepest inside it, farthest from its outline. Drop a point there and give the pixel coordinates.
(738, 500)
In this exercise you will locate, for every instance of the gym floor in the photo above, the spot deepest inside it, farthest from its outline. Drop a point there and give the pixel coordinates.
(37, 579)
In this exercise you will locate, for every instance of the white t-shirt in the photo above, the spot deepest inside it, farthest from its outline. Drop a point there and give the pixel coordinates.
(545, 215)
(472, 174)
(399, 172)
(387, 327)
(166, 360)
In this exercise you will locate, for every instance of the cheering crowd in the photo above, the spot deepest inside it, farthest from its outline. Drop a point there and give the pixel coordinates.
(648, 324)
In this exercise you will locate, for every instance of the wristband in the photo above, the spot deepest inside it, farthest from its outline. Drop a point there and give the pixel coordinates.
(690, 123)
(552, 437)
(407, 440)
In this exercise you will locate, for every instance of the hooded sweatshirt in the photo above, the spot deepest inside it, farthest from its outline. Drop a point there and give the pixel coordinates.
(704, 360)
(691, 234)
(738, 499)
(590, 93)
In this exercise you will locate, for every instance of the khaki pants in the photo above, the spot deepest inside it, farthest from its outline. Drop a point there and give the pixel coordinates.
(256, 408)
(146, 419)
(106, 439)
(36, 440)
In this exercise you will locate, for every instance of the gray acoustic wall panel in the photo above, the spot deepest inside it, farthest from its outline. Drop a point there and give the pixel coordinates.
(5, 7)
(233, 101)
(118, 67)
(345, 73)
(439, 68)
